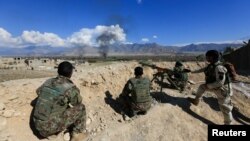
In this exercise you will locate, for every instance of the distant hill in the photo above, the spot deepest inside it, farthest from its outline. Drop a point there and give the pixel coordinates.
(33, 51)
(152, 48)
(127, 49)
(207, 46)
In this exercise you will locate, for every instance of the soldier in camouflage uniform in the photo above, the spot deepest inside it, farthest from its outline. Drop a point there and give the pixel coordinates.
(136, 93)
(217, 81)
(178, 76)
(59, 106)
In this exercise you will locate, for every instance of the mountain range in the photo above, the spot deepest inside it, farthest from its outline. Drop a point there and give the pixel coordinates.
(121, 49)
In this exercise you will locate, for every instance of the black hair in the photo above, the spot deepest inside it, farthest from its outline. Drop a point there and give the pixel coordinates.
(213, 53)
(65, 69)
(138, 71)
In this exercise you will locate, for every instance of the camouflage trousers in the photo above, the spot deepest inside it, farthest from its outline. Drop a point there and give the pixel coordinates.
(73, 118)
(181, 84)
(140, 107)
(175, 83)
(224, 99)
(135, 108)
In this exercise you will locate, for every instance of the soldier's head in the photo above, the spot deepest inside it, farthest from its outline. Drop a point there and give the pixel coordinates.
(138, 71)
(65, 69)
(178, 64)
(212, 56)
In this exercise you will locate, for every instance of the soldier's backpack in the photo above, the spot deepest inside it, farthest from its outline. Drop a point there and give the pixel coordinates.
(140, 90)
(51, 100)
(230, 70)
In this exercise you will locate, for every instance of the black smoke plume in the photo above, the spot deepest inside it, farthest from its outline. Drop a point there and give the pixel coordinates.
(105, 40)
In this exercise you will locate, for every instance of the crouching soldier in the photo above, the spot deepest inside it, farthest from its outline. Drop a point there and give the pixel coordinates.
(136, 94)
(179, 76)
(59, 106)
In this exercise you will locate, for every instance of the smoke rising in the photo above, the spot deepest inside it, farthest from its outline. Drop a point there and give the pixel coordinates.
(105, 40)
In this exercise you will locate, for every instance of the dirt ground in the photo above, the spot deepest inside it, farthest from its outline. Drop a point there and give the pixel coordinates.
(7, 74)
(171, 117)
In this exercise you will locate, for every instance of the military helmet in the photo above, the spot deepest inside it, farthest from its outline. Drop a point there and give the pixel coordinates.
(213, 53)
(178, 63)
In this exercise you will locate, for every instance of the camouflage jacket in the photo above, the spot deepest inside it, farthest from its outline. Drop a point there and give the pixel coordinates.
(179, 74)
(55, 96)
(138, 89)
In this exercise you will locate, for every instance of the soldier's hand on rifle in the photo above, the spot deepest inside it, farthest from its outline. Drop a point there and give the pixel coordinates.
(160, 69)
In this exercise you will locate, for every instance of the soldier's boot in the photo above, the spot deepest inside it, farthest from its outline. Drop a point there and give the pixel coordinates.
(194, 101)
(79, 136)
(131, 113)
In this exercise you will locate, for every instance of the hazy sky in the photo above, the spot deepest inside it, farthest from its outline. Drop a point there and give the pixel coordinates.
(167, 22)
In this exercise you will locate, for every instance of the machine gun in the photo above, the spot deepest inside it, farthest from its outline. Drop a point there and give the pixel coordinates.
(161, 74)
(164, 73)
(153, 66)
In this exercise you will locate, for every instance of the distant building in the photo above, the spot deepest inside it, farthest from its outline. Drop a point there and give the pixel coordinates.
(40, 64)
(18, 60)
(16, 63)
(19, 63)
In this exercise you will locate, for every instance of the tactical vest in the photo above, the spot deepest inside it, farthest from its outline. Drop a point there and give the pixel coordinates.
(211, 76)
(140, 90)
(51, 100)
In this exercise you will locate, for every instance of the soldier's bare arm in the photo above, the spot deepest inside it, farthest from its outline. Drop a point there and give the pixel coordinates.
(198, 71)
